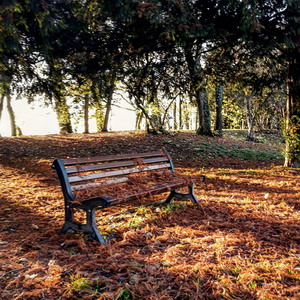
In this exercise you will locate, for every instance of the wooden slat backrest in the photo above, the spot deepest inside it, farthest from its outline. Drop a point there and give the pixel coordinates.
(117, 173)
(118, 164)
(97, 171)
(98, 184)
(77, 161)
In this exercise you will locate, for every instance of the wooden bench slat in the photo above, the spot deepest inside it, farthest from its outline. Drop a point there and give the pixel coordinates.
(74, 161)
(117, 173)
(97, 184)
(125, 163)
(166, 187)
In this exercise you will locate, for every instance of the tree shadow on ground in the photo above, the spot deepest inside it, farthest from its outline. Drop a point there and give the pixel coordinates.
(161, 256)
(229, 247)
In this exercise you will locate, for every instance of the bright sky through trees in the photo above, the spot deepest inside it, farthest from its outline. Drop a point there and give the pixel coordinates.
(36, 120)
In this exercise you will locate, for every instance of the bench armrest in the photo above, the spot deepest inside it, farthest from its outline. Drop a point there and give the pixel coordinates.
(63, 178)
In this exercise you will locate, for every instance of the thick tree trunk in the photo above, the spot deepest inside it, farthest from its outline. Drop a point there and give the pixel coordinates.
(63, 115)
(250, 119)
(198, 90)
(86, 113)
(11, 115)
(219, 106)
(156, 118)
(292, 126)
(204, 113)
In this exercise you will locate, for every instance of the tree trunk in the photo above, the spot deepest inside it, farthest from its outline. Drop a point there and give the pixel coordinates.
(138, 122)
(186, 117)
(150, 126)
(198, 90)
(250, 119)
(19, 131)
(107, 115)
(99, 114)
(219, 104)
(197, 121)
(11, 115)
(156, 118)
(292, 125)
(169, 127)
(180, 114)
(204, 113)
(175, 125)
(63, 115)
(86, 113)
(1, 104)
(112, 84)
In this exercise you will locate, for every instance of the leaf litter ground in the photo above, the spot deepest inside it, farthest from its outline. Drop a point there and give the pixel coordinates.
(241, 242)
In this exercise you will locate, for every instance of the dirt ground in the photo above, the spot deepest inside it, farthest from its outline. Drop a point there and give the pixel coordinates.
(241, 242)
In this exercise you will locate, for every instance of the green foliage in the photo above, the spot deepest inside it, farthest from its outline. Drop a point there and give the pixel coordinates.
(292, 137)
(173, 206)
(125, 294)
(79, 284)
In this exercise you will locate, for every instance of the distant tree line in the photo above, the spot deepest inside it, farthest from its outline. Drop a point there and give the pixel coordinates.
(232, 60)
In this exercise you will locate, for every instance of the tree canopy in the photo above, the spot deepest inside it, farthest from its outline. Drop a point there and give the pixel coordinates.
(158, 49)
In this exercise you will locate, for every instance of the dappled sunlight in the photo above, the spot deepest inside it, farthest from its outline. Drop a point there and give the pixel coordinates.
(241, 241)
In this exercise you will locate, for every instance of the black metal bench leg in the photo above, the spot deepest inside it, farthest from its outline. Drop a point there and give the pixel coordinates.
(190, 195)
(91, 226)
(66, 227)
(69, 219)
(170, 197)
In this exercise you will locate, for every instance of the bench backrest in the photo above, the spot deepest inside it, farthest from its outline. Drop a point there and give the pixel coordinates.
(81, 173)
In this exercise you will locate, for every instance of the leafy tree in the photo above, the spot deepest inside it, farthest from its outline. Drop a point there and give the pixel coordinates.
(275, 36)
(161, 49)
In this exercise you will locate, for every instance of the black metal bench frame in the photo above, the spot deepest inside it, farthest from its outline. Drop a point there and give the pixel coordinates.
(66, 167)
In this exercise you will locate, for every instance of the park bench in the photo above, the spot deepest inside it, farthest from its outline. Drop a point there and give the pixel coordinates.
(99, 182)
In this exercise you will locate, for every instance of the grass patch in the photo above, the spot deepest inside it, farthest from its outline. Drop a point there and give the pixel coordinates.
(78, 285)
(167, 209)
(136, 219)
(267, 137)
(255, 154)
(214, 150)
(125, 294)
